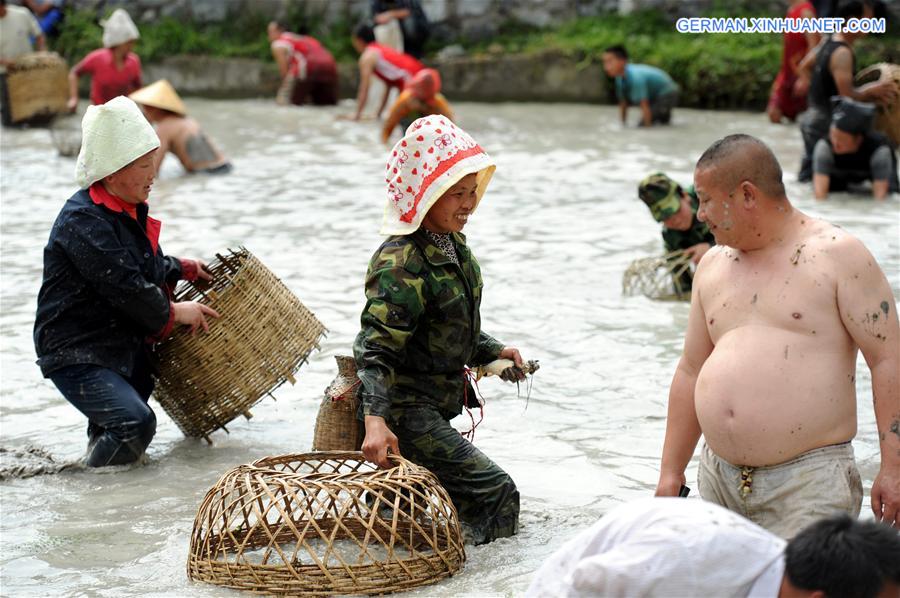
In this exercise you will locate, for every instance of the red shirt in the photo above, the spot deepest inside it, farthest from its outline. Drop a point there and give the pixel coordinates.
(307, 55)
(102, 197)
(795, 43)
(393, 67)
(108, 82)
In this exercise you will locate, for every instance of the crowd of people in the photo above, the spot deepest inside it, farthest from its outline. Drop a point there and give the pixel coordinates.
(781, 305)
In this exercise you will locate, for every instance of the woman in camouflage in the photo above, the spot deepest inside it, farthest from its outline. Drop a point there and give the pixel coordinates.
(421, 328)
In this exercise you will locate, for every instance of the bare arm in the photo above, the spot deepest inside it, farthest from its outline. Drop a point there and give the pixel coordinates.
(384, 99)
(821, 184)
(868, 311)
(280, 55)
(841, 66)
(682, 428)
(73, 90)
(366, 68)
(40, 43)
(646, 114)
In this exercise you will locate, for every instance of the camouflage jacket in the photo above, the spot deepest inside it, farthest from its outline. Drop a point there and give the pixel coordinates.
(698, 233)
(420, 327)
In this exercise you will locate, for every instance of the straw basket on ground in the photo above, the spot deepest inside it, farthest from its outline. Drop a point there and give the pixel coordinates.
(887, 117)
(337, 428)
(262, 338)
(37, 88)
(323, 524)
(666, 277)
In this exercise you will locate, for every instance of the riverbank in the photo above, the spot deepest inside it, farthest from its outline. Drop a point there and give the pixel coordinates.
(521, 63)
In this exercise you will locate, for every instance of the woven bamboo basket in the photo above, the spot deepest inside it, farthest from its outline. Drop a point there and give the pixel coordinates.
(262, 338)
(324, 524)
(887, 117)
(65, 131)
(337, 428)
(37, 86)
(658, 277)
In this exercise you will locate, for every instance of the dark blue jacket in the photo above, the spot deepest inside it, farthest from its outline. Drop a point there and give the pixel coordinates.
(105, 290)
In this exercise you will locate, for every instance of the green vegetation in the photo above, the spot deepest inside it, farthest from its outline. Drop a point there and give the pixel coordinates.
(167, 37)
(714, 70)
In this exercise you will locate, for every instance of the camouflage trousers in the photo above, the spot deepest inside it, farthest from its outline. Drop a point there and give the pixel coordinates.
(484, 495)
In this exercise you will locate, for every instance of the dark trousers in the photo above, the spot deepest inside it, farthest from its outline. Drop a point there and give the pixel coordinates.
(484, 495)
(120, 422)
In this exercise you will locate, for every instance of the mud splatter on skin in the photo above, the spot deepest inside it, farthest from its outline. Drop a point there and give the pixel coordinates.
(852, 378)
(753, 301)
(895, 428)
(796, 257)
(712, 321)
(785, 351)
(885, 307)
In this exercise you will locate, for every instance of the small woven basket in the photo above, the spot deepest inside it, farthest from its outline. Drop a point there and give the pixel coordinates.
(337, 428)
(658, 277)
(887, 117)
(37, 87)
(324, 524)
(262, 338)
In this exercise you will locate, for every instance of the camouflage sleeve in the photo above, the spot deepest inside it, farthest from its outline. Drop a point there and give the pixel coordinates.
(394, 303)
(488, 349)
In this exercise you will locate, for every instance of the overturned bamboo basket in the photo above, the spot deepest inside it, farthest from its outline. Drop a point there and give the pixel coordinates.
(661, 278)
(887, 117)
(37, 87)
(324, 524)
(262, 338)
(337, 427)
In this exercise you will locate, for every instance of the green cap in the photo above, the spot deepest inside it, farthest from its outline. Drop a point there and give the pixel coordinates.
(661, 194)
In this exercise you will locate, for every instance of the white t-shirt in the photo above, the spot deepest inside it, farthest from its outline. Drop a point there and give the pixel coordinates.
(16, 29)
(666, 547)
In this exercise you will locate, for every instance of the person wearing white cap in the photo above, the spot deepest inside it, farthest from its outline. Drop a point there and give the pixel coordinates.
(421, 328)
(674, 547)
(106, 294)
(178, 133)
(115, 70)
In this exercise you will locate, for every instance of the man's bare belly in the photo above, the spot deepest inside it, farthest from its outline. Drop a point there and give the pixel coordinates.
(766, 395)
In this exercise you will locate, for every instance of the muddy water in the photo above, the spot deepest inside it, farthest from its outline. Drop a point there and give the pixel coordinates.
(558, 226)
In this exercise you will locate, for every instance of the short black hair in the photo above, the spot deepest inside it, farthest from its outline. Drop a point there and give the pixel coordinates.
(844, 557)
(748, 159)
(619, 50)
(853, 9)
(364, 31)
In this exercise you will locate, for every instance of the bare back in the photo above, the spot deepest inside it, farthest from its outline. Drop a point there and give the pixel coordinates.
(780, 379)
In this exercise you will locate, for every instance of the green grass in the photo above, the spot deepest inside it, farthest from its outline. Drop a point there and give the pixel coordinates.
(713, 70)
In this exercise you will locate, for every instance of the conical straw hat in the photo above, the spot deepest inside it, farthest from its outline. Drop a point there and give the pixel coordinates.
(160, 95)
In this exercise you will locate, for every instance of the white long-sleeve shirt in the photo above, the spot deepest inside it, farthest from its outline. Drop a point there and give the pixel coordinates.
(665, 547)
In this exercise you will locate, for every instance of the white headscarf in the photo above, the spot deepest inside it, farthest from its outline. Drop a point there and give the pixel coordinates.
(114, 135)
(118, 29)
(432, 157)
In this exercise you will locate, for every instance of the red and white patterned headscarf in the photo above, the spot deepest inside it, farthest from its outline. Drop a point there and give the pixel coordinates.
(433, 155)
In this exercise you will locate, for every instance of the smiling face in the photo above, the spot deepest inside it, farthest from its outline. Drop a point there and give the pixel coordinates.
(132, 183)
(450, 213)
(718, 208)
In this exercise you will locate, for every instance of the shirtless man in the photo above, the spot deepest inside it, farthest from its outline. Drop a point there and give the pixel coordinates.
(178, 133)
(780, 306)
